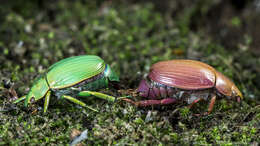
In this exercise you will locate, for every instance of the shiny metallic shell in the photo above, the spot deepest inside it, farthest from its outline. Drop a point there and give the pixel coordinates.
(73, 70)
(183, 74)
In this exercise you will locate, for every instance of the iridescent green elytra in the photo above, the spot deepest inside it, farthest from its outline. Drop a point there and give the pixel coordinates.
(78, 75)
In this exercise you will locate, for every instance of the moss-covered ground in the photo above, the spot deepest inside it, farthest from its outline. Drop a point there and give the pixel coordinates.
(130, 37)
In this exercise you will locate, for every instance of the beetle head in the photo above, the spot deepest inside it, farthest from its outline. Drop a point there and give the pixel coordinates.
(37, 91)
(112, 76)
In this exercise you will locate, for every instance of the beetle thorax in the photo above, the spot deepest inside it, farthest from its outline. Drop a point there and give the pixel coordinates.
(226, 87)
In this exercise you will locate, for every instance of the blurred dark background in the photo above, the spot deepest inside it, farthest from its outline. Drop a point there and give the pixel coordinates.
(228, 21)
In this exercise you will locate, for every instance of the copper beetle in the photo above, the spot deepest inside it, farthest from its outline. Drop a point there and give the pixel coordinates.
(188, 80)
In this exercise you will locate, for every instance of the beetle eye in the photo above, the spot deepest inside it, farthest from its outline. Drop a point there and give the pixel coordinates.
(32, 100)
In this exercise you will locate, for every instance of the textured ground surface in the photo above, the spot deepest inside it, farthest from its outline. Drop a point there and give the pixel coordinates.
(130, 37)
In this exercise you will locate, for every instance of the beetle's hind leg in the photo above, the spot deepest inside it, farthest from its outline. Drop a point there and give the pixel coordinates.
(97, 94)
(144, 103)
(74, 100)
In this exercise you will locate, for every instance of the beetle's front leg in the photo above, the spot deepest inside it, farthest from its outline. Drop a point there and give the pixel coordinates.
(144, 103)
(20, 99)
(97, 94)
(46, 102)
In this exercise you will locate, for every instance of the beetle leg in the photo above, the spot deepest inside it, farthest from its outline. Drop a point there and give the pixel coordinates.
(211, 104)
(151, 102)
(74, 100)
(46, 102)
(195, 101)
(149, 92)
(97, 94)
(20, 99)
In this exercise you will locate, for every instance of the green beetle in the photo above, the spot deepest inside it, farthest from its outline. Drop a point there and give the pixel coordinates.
(78, 75)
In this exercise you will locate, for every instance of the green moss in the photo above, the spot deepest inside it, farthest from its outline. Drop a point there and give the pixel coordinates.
(235, 21)
(130, 37)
